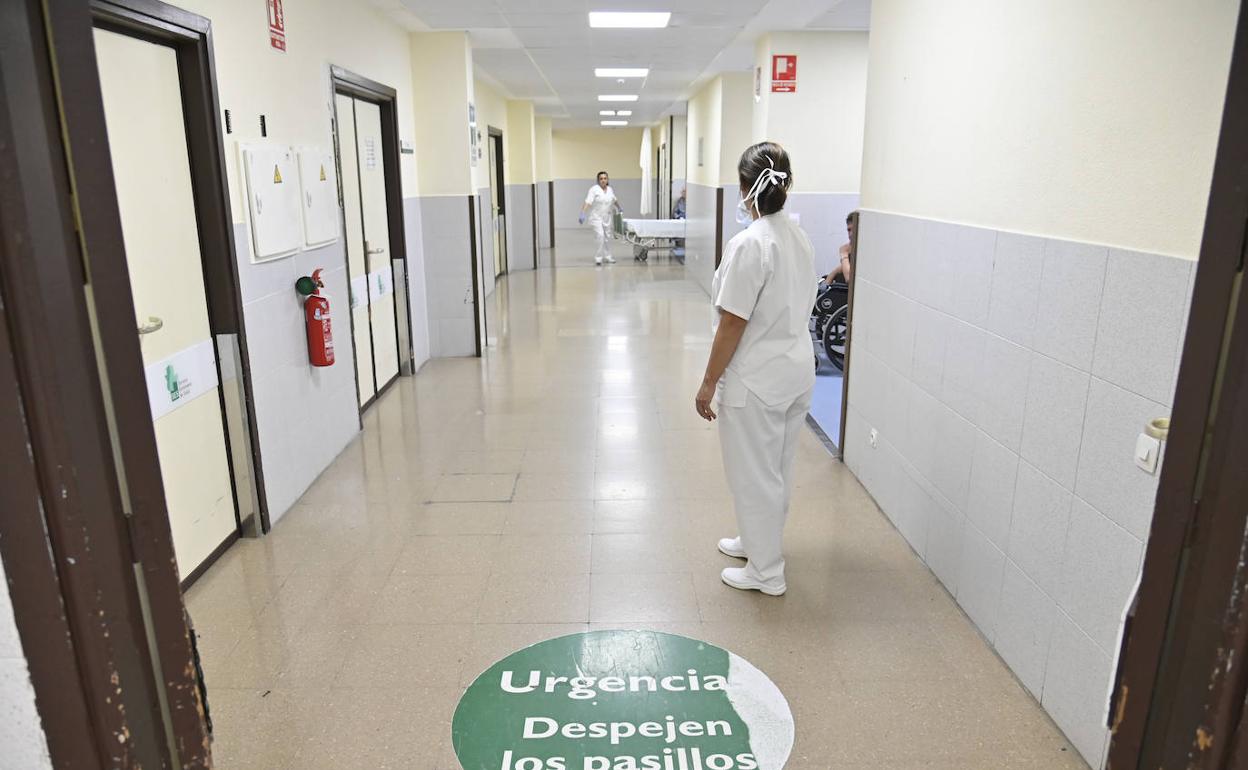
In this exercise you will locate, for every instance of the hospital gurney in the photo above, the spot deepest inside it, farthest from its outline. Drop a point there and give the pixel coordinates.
(647, 234)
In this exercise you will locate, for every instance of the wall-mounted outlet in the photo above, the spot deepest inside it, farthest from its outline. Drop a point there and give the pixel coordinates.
(874, 438)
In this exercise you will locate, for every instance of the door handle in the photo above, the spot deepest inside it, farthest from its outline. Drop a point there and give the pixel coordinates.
(370, 252)
(153, 324)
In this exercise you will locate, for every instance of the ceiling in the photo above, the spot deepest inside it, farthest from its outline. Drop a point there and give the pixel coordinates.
(544, 50)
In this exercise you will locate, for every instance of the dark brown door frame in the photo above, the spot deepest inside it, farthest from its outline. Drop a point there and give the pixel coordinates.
(537, 246)
(550, 210)
(81, 549)
(1182, 680)
(190, 37)
(849, 337)
(343, 81)
(499, 174)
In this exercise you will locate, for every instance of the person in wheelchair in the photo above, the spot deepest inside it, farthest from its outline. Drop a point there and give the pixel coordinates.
(830, 313)
(843, 268)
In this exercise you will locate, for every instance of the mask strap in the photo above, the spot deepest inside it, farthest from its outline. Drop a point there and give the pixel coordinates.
(768, 176)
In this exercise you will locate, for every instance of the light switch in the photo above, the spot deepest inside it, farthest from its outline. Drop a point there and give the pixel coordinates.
(1147, 450)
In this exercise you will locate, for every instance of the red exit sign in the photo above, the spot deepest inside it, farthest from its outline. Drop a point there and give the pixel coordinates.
(784, 74)
(277, 25)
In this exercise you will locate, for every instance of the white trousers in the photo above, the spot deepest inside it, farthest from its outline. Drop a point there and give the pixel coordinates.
(602, 236)
(759, 443)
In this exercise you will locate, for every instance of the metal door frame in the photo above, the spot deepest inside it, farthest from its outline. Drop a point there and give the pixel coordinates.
(499, 179)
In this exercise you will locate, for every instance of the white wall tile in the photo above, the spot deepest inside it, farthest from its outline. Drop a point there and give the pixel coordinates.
(963, 370)
(1038, 528)
(1003, 390)
(921, 442)
(1070, 301)
(994, 475)
(907, 258)
(1018, 262)
(930, 341)
(955, 453)
(1142, 314)
(1057, 397)
(873, 236)
(1076, 685)
(944, 542)
(979, 587)
(21, 733)
(1099, 569)
(1108, 477)
(934, 271)
(894, 417)
(972, 274)
(866, 387)
(898, 321)
(913, 507)
(1024, 628)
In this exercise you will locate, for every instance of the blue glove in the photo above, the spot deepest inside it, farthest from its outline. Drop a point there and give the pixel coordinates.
(581, 219)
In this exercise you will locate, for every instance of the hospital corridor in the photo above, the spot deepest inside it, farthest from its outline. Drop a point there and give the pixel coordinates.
(579, 385)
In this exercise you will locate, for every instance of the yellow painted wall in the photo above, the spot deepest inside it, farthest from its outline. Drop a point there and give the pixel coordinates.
(1096, 122)
(736, 114)
(821, 125)
(703, 134)
(582, 153)
(441, 67)
(521, 165)
(543, 149)
(491, 113)
(292, 89)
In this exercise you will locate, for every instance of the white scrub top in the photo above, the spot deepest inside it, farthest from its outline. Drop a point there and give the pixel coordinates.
(767, 277)
(600, 203)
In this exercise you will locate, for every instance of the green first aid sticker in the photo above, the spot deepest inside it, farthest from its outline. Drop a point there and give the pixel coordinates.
(623, 700)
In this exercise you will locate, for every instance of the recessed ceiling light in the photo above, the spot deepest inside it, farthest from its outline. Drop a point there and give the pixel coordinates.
(614, 122)
(608, 113)
(621, 72)
(628, 19)
(624, 113)
(617, 97)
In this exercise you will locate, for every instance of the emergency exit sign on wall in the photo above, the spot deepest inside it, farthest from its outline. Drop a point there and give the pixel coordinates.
(784, 74)
(277, 25)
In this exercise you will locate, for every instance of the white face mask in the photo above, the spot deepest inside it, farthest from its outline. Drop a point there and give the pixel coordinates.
(750, 201)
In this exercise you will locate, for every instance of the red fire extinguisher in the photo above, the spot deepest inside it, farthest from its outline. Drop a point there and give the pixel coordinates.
(316, 316)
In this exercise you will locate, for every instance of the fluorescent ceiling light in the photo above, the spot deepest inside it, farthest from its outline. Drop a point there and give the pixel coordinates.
(628, 19)
(621, 72)
(617, 97)
(608, 113)
(614, 122)
(624, 113)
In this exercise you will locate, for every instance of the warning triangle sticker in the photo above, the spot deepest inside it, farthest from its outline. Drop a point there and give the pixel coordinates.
(322, 172)
(277, 175)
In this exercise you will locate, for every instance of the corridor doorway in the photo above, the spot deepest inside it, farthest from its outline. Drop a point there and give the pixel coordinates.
(498, 204)
(140, 84)
(373, 317)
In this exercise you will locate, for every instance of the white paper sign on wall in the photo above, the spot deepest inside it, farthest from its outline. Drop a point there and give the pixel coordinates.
(181, 378)
(272, 200)
(319, 184)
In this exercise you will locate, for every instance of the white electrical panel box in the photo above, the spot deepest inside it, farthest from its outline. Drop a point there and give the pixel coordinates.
(272, 200)
(319, 183)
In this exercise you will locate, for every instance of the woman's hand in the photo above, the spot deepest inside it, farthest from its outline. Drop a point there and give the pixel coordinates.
(702, 402)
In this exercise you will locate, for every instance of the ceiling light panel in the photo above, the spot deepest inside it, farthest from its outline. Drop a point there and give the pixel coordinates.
(628, 19)
(614, 122)
(617, 97)
(621, 72)
(610, 113)
(624, 113)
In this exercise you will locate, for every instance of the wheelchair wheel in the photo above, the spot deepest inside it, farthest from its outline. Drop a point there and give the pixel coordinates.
(835, 331)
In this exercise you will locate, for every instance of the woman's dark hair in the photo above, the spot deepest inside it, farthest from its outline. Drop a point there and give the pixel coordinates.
(601, 173)
(757, 159)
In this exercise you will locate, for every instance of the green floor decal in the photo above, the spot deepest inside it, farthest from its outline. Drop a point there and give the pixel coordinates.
(622, 700)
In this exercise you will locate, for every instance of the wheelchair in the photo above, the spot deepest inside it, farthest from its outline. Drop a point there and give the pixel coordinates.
(829, 321)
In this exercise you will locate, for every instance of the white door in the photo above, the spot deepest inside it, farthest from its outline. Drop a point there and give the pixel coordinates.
(377, 242)
(357, 263)
(373, 311)
(147, 138)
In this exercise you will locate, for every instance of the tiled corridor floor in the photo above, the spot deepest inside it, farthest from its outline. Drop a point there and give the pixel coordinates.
(562, 483)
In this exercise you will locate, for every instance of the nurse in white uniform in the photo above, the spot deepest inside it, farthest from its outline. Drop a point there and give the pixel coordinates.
(759, 371)
(600, 205)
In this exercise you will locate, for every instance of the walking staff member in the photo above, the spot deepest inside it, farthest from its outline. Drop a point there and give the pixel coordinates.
(759, 370)
(600, 205)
